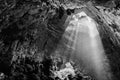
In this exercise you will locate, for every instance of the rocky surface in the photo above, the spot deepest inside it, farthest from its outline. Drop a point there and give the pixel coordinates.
(30, 31)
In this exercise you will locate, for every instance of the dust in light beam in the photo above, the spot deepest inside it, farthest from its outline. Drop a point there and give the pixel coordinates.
(86, 44)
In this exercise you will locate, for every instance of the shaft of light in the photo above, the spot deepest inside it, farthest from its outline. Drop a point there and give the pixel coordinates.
(87, 46)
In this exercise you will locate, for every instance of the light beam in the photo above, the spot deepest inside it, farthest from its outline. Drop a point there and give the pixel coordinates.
(87, 47)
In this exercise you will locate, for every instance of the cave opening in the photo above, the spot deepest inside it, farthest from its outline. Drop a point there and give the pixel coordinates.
(84, 46)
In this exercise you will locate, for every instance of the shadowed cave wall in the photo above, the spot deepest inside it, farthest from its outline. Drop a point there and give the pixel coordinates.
(36, 27)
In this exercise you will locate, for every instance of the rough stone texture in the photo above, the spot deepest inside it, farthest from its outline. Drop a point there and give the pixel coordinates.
(29, 27)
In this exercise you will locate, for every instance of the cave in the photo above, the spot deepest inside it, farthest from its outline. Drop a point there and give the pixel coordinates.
(59, 40)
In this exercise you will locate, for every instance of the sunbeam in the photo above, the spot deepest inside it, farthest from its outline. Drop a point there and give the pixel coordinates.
(84, 40)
